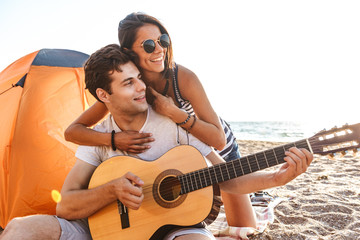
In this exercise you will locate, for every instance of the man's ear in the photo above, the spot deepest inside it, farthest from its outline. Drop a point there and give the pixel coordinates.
(102, 95)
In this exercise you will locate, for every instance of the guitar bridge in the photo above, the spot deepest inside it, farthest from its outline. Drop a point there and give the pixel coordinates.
(124, 215)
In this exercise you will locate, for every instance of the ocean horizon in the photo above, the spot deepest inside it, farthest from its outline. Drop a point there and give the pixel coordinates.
(276, 131)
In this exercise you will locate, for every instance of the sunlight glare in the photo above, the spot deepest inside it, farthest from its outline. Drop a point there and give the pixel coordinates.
(56, 196)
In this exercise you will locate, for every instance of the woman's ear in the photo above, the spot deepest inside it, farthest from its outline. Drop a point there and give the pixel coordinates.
(102, 95)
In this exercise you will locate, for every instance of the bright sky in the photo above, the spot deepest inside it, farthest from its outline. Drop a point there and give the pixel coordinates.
(258, 60)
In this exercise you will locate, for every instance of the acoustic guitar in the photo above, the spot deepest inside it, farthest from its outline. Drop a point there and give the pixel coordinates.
(177, 189)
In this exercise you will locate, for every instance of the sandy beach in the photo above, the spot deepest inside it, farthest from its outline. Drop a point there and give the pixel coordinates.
(323, 203)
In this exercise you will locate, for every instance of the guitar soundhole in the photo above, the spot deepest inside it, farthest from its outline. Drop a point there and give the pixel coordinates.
(166, 189)
(170, 188)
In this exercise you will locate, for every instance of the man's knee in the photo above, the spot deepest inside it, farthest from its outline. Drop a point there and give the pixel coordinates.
(23, 222)
(14, 224)
(13, 229)
(32, 227)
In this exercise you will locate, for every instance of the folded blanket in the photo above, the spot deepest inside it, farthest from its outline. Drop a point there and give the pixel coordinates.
(263, 204)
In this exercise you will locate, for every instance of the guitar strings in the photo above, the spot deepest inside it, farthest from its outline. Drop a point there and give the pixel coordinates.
(213, 175)
(192, 181)
(192, 184)
(224, 174)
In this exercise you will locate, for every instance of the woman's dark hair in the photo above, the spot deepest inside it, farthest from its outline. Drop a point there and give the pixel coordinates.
(127, 32)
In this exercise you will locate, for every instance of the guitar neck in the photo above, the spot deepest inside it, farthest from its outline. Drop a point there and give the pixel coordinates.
(226, 171)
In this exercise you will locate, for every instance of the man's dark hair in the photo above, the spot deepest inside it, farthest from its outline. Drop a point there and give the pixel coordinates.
(101, 65)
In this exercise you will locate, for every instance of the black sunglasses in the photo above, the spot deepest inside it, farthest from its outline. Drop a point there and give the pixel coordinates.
(149, 45)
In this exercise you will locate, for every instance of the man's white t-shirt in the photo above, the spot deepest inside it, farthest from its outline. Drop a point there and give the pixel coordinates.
(166, 133)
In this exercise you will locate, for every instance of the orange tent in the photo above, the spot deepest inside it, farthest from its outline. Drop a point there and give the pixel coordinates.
(40, 95)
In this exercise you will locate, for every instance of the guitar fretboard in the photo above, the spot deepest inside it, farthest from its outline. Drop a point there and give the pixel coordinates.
(225, 171)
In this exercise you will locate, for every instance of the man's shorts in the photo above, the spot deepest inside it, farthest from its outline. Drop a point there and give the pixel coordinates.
(79, 230)
(182, 231)
(74, 230)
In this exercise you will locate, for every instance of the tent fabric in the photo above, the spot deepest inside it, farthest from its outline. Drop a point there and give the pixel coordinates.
(40, 95)
(60, 58)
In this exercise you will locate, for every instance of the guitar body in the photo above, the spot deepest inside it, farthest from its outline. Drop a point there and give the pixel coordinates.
(178, 191)
(158, 207)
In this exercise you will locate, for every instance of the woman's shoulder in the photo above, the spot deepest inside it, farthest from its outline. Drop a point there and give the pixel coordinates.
(189, 84)
(185, 72)
(187, 78)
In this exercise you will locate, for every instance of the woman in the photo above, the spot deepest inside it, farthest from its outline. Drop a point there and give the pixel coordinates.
(182, 99)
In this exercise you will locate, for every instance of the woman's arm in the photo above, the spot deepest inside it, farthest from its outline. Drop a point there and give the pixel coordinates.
(207, 127)
(79, 132)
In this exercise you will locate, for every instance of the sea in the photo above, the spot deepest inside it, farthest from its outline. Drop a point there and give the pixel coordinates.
(276, 131)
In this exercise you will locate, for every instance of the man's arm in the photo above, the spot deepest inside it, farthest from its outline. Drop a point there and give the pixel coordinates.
(79, 202)
(297, 161)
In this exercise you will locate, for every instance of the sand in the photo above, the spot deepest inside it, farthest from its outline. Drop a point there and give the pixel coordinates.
(323, 203)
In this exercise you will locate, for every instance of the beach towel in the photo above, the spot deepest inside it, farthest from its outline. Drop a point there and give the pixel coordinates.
(263, 204)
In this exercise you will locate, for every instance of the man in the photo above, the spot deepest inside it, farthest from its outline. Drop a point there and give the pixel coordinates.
(114, 80)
